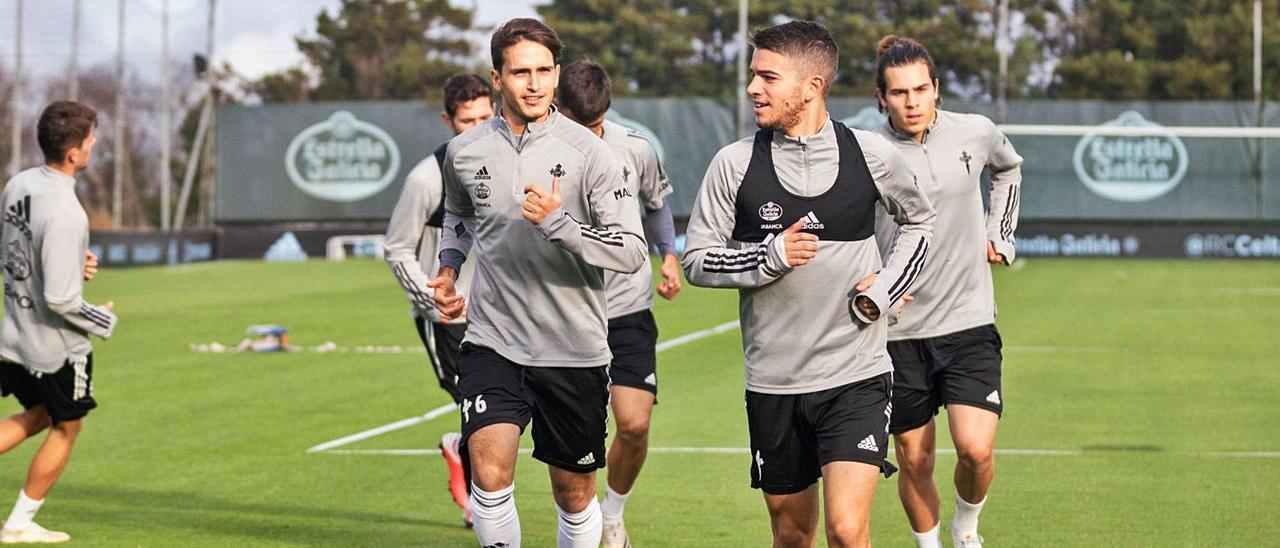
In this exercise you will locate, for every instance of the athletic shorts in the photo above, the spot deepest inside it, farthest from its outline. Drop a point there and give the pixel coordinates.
(444, 344)
(633, 339)
(67, 394)
(794, 435)
(568, 405)
(960, 368)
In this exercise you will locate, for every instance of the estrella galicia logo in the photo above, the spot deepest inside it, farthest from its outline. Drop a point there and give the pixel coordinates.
(482, 191)
(557, 171)
(342, 159)
(770, 211)
(16, 261)
(1131, 168)
(19, 215)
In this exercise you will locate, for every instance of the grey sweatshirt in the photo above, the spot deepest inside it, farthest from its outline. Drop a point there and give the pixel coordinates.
(647, 182)
(538, 295)
(44, 238)
(798, 332)
(412, 246)
(955, 291)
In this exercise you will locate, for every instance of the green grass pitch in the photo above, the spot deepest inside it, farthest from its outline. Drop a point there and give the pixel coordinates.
(1143, 371)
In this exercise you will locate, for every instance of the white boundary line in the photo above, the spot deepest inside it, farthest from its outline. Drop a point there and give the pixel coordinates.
(329, 446)
(745, 451)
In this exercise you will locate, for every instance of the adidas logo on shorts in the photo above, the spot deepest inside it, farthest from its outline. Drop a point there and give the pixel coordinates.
(869, 443)
(651, 380)
(589, 459)
(994, 397)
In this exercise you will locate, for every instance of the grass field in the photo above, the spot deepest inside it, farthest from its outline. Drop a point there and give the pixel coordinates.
(1142, 373)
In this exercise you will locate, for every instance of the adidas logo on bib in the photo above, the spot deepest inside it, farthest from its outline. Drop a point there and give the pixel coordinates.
(811, 222)
(869, 443)
(994, 397)
(589, 459)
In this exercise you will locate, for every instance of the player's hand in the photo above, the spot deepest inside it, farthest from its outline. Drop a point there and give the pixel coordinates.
(670, 271)
(902, 308)
(539, 203)
(801, 247)
(864, 303)
(109, 305)
(90, 264)
(448, 302)
(992, 256)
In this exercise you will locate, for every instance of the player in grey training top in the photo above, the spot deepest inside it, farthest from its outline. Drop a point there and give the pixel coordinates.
(945, 348)
(46, 358)
(788, 217)
(585, 97)
(412, 248)
(542, 200)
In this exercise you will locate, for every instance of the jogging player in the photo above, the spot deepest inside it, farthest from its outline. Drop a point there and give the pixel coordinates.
(542, 200)
(412, 245)
(46, 358)
(585, 96)
(945, 348)
(787, 216)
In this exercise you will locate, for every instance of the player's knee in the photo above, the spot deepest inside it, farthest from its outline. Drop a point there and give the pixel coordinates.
(634, 431)
(573, 497)
(916, 464)
(848, 533)
(788, 533)
(975, 455)
(491, 476)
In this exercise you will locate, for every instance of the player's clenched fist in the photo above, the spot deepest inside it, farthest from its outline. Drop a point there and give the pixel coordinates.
(800, 247)
(539, 203)
(448, 302)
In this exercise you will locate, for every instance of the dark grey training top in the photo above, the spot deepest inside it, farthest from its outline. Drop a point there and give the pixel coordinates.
(799, 334)
(45, 234)
(538, 294)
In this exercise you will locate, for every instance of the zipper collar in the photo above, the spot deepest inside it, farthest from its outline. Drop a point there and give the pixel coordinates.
(532, 130)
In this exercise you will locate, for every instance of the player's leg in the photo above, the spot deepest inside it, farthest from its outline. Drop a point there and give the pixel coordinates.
(913, 428)
(444, 345)
(14, 429)
(495, 410)
(969, 385)
(570, 416)
(851, 426)
(633, 392)
(793, 517)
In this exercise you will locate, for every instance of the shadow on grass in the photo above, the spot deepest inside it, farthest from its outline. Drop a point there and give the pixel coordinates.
(194, 517)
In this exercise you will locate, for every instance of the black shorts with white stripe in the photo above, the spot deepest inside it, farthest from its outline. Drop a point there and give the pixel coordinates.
(67, 394)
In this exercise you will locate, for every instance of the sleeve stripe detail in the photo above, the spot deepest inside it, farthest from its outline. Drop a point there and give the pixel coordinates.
(611, 241)
(904, 280)
(915, 273)
(1006, 224)
(418, 296)
(94, 316)
(729, 269)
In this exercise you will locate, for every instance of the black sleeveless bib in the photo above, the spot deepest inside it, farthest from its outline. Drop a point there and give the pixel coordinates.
(437, 216)
(845, 212)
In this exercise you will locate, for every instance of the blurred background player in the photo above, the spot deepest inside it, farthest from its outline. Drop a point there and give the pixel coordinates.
(788, 217)
(412, 247)
(542, 200)
(46, 357)
(585, 93)
(945, 348)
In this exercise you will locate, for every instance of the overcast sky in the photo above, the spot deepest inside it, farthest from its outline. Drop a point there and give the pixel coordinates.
(256, 36)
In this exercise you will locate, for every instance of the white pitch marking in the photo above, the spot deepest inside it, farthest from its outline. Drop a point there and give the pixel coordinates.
(411, 421)
(1053, 349)
(698, 451)
(1247, 454)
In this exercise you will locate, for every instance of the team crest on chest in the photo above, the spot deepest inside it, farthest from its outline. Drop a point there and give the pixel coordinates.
(965, 157)
(557, 171)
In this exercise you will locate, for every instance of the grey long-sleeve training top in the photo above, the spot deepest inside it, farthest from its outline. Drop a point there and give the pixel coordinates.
(43, 242)
(955, 291)
(647, 182)
(798, 332)
(538, 294)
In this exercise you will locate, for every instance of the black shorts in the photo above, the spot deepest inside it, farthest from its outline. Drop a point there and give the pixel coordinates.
(633, 340)
(67, 394)
(794, 435)
(443, 348)
(568, 405)
(960, 368)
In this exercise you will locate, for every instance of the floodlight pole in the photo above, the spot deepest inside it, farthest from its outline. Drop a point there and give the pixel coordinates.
(1258, 151)
(166, 124)
(1002, 49)
(74, 92)
(15, 155)
(117, 182)
(740, 114)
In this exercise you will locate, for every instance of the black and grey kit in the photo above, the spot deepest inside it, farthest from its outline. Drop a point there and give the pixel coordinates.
(800, 334)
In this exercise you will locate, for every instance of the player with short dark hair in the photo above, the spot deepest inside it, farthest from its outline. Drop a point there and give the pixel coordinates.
(542, 201)
(585, 96)
(787, 217)
(46, 357)
(945, 348)
(412, 244)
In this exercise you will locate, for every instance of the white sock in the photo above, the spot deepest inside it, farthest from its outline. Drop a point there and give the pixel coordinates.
(580, 530)
(23, 511)
(965, 525)
(929, 539)
(494, 516)
(613, 504)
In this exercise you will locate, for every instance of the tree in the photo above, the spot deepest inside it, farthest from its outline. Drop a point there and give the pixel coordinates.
(376, 49)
